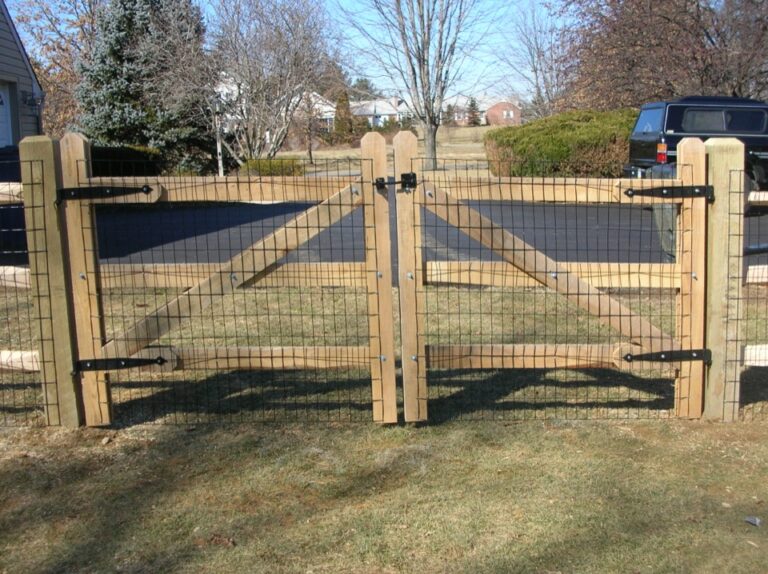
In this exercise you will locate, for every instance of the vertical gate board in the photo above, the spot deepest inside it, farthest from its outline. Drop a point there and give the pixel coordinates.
(84, 279)
(411, 278)
(253, 262)
(692, 239)
(379, 271)
(49, 279)
(725, 233)
(547, 271)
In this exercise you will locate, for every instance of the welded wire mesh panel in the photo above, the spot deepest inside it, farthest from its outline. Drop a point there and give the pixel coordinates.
(254, 289)
(747, 359)
(535, 290)
(24, 391)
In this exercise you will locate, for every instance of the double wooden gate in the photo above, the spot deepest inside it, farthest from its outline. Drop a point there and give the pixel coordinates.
(78, 351)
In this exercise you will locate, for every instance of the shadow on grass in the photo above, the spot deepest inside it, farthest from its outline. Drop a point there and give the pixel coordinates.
(239, 396)
(754, 393)
(535, 394)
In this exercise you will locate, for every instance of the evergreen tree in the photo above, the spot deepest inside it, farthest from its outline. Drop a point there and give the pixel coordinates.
(449, 115)
(343, 124)
(135, 87)
(473, 113)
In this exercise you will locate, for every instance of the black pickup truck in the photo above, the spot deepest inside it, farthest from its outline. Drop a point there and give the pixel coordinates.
(661, 125)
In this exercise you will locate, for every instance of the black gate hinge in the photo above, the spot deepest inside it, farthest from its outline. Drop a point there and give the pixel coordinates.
(99, 192)
(117, 364)
(684, 191)
(407, 183)
(672, 356)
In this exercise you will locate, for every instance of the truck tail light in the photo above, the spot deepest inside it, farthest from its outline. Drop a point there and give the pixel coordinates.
(661, 153)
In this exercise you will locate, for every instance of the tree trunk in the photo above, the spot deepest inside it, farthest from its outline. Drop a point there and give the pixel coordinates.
(430, 146)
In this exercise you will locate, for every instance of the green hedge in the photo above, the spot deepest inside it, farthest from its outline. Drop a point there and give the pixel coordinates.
(273, 167)
(580, 143)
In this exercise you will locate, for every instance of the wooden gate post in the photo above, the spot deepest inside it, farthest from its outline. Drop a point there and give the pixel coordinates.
(49, 280)
(691, 302)
(411, 281)
(80, 225)
(724, 276)
(378, 266)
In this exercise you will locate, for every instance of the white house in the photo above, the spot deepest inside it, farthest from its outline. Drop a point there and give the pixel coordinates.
(379, 112)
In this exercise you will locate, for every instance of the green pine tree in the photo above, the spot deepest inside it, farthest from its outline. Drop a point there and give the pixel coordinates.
(473, 113)
(125, 92)
(343, 124)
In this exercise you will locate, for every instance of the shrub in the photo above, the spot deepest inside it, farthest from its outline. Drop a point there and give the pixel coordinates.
(273, 167)
(580, 143)
(126, 161)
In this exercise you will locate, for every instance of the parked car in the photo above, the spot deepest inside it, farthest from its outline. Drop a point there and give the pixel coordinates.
(661, 125)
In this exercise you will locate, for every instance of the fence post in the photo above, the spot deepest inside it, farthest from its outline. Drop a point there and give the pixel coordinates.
(691, 311)
(49, 279)
(80, 225)
(725, 254)
(378, 266)
(411, 281)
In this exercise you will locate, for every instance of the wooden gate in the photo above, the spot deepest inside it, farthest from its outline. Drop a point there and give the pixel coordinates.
(449, 196)
(139, 345)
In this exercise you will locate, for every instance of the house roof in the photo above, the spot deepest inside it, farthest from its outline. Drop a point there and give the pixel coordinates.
(38, 91)
(381, 107)
(484, 101)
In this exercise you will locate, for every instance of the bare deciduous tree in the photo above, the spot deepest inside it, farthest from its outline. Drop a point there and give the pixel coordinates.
(537, 58)
(419, 45)
(269, 53)
(59, 34)
(627, 53)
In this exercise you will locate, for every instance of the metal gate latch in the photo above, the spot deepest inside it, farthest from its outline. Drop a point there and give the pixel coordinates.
(407, 183)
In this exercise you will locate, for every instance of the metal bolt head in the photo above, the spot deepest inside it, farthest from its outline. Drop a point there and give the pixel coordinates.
(554, 275)
(82, 275)
(664, 192)
(355, 191)
(663, 356)
(409, 275)
(429, 193)
(414, 358)
(379, 274)
(383, 358)
(233, 277)
(695, 354)
(630, 192)
(694, 276)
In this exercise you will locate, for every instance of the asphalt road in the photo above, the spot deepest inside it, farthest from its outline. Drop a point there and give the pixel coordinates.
(184, 233)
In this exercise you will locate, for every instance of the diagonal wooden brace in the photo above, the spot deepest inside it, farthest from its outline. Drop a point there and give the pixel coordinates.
(242, 268)
(545, 270)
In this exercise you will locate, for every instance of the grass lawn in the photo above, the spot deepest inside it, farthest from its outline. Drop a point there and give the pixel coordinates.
(458, 497)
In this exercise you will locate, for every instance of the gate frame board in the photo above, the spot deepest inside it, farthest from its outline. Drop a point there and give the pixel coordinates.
(80, 230)
(378, 262)
(411, 276)
(692, 257)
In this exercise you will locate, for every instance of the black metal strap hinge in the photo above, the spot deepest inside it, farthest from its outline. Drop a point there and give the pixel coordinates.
(684, 191)
(117, 364)
(100, 192)
(407, 183)
(672, 356)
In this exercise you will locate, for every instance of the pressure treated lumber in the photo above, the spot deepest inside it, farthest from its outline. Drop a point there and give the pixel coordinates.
(241, 269)
(11, 192)
(725, 231)
(272, 358)
(545, 270)
(691, 301)
(379, 273)
(241, 189)
(27, 361)
(410, 282)
(49, 279)
(80, 230)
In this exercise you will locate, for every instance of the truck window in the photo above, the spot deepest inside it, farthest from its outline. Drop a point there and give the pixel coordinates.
(703, 121)
(649, 121)
(745, 121)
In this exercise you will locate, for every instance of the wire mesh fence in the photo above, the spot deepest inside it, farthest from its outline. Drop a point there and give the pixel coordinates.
(27, 396)
(518, 282)
(256, 287)
(747, 358)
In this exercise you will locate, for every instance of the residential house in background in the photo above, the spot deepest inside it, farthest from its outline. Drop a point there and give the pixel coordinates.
(381, 111)
(503, 114)
(493, 111)
(21, 97)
